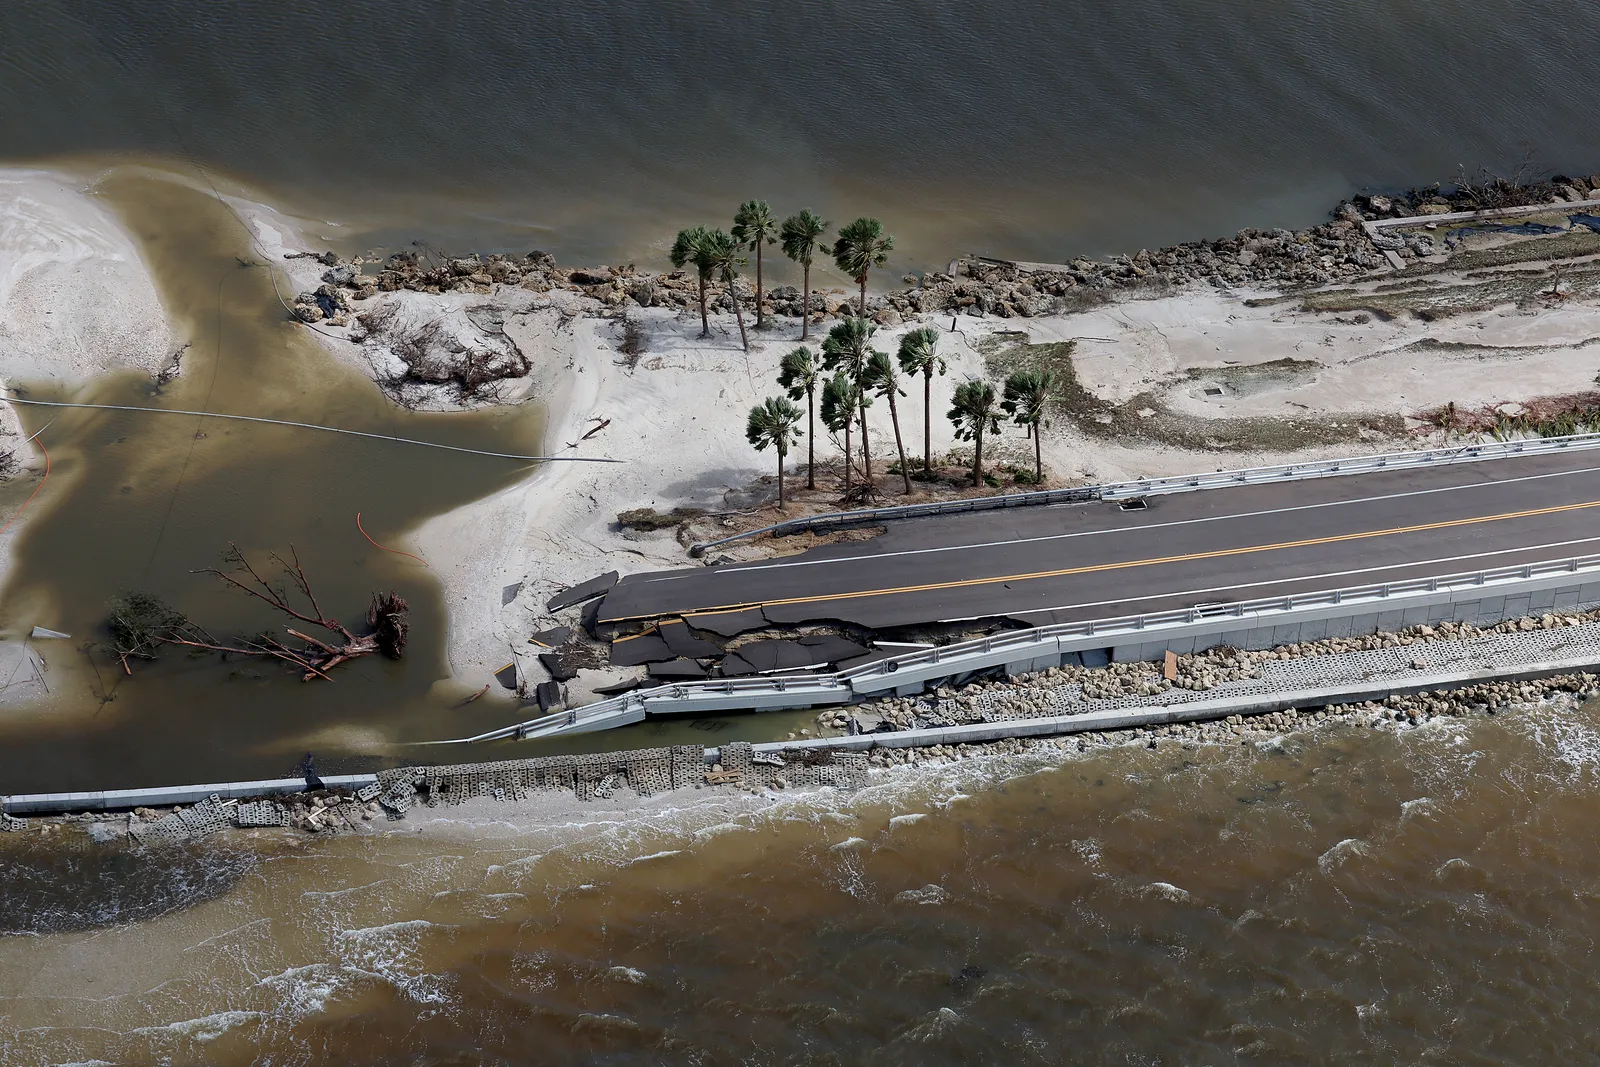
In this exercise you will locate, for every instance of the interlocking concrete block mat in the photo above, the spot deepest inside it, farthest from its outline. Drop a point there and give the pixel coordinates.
(688, 765)
(260, 813)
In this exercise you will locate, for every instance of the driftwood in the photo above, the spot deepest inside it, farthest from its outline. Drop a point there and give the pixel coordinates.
(141, 623)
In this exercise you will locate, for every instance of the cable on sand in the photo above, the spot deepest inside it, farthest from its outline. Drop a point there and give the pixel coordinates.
(312, 426)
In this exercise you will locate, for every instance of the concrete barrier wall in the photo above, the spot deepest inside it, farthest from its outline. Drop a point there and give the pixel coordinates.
(162, 796)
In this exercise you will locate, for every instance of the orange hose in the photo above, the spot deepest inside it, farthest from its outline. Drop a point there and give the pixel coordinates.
(364, 533)
(33, 494)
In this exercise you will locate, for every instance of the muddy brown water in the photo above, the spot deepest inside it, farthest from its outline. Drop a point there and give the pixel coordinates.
(138, 502)
(1342, 895)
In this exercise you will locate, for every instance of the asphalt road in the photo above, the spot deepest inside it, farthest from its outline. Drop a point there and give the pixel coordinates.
(1072, 562)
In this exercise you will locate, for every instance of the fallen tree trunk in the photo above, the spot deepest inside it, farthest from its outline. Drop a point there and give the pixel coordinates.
(141, 623)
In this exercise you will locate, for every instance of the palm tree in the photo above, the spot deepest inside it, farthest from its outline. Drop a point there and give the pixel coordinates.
(861, 246)
(799, 235)
(1027, 395)
(974, 412)
(723, 255)
(882, 379)
(848, 347)
(800, 374)
(919, 355)
(840, 400)
(691, 247)
(753, 227)
(774, 423)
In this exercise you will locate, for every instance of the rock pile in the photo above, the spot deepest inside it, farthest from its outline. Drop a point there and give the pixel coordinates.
(1476, 196)
(1338, 250)
(1056, 691)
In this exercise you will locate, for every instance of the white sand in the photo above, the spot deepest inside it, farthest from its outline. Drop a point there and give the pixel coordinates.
(678, 418)
(76, 303)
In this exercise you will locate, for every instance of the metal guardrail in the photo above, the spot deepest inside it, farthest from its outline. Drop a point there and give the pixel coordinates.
(809, 690)
(1282, 472)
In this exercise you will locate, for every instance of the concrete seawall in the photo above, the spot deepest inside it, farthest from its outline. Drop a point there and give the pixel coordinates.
(1362, 676)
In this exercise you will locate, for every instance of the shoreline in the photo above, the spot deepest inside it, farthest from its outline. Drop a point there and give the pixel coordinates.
(1148, 361)
(71, 268)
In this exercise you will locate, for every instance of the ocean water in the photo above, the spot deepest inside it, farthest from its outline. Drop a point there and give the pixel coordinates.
(1022, 128)
(1342, 895)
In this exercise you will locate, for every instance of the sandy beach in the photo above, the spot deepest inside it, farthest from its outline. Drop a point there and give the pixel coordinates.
(1283, 381)
(76, 303)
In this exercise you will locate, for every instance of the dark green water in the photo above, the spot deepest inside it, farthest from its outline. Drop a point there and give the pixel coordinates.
(1029, 129)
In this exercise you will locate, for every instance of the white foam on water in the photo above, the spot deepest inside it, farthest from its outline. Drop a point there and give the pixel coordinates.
(1421, 805)
(1573, 741)
(389, 953)
(329, 894)
(627, 974)
(305, 991)
(1350, 846)
(205, 1028)
(907, 819)
(1168, 891)
(656, 856)
(928, 894)
(849, 842)
(706, 833)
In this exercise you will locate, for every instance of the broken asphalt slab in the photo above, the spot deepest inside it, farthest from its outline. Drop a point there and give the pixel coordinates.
(596, 586)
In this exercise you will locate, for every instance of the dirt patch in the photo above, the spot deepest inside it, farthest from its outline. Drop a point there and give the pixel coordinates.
(651, 519)
(1434, 301)
(1545, 416)
(1567, 246)
(1244, 379)
(1145, 418)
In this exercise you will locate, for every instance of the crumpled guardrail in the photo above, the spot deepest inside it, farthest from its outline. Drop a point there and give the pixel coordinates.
(1155, 486)
(811, 690)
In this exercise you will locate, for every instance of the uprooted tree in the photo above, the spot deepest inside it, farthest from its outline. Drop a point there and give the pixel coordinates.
(141, 624)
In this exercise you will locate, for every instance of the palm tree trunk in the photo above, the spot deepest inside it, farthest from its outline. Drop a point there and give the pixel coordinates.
(733, 294)
(927, 419)
(977, 460)
(1038, 460)
(705, 321)
(759, 316)
(805, 302)
(894, 416)
(866, 448)
(780, 481)
(848, 458)
(863, 281)
(811, 437)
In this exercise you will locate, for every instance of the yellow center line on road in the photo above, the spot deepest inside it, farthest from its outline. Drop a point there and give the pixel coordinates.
(1220, 553)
